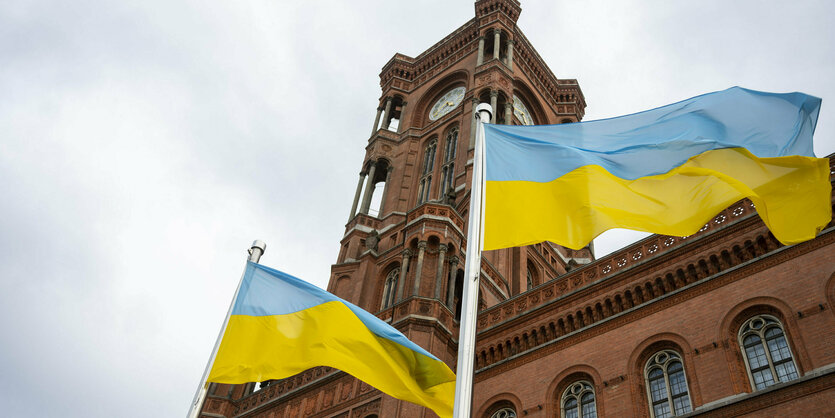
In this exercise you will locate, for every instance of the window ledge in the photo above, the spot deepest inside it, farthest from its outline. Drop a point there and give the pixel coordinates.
(744, 397)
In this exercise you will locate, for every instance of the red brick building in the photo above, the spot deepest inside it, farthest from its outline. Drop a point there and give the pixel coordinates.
(725, 322)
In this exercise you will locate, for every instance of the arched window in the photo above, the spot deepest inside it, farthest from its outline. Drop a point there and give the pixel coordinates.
(448, 170)
(767, 354)
(667, 385)
(390, 288)
(505, 412)
(578, 401)
(426, 174)
(532, 277)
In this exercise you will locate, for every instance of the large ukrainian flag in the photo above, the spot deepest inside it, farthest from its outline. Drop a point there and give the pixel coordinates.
(281, 325)
(668, 171)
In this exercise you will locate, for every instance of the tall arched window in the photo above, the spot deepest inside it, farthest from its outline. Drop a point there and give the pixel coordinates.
(578, 401)
(667, 385)
(505, 412)
(767, 354)
(448, 169)
(426, 174)
(390, 288)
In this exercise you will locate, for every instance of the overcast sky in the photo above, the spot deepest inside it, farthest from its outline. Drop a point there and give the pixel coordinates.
(145, 144)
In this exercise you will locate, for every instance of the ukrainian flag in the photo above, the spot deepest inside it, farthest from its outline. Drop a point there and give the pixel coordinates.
(281, 325)
(668, 171)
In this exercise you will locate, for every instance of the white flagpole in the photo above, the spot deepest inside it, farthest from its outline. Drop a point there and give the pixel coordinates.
(469, 304)
(255, 252)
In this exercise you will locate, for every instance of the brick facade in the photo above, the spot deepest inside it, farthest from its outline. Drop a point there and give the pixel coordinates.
(549, 316)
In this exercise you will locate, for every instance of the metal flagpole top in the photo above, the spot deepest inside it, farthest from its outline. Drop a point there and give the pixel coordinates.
(257, 250)
(485, 107)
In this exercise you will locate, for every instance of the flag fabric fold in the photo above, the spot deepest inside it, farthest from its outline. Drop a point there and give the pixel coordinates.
(281, 325)
(667, 170)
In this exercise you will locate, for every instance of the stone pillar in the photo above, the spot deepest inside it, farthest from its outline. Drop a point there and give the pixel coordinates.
(508, 113)
(404, 266)
(357, 196)
(497, 40)
(473, 124)
(450, 289)
(510, 54)
(385, 190)
(376, 121)
(480, 59)
(439, 276)
(387, 113)
(419, 267)
(494, 97)
(369, 189)
(402, 110)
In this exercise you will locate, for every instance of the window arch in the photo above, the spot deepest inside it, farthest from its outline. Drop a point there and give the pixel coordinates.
(448, 169)
(667, 385)
(532, 276)
(426, 175)
(390, 288)
(578, 401)
(768, 357)
(506, 412)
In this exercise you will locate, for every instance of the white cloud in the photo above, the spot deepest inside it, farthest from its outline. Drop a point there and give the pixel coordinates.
(144, 145)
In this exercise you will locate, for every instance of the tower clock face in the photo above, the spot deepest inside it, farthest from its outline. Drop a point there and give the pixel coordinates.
(447, 103)
(521, 112)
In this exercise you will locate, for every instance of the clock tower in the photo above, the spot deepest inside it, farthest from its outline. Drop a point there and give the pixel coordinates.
(402, 254)
(724, 322)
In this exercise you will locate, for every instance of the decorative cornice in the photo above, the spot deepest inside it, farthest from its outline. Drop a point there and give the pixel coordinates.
(657, 304)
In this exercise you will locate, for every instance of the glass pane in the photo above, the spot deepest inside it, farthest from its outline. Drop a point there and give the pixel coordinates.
(682, 404)
(454, 144)
(570, 403)
(657, 389)
(662, 410)
(674, 367)
(762, 378)
(588, 406)
(756, 356)
(428, 188)
(570, 407)
(678, 384)
(572, 413)
(778, 347)
(786, 371)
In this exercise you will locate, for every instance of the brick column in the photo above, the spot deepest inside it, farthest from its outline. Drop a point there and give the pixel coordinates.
(404, 266)
(497, 39)
(376, 121)
(400, 125)
(385, 190)
(439, 276)
(450, 289)
(494, 97)
(510, 54)
(357, 196)
(480, 59)
(369, 189)
(419, 267)
(387, 113)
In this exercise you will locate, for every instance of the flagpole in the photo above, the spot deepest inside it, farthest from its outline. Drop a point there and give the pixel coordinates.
(255, 251)
(469, 304)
